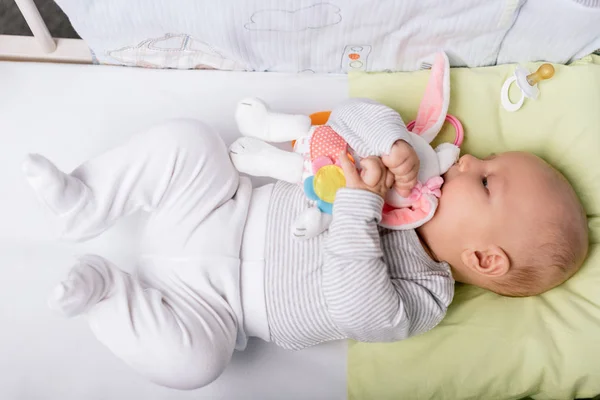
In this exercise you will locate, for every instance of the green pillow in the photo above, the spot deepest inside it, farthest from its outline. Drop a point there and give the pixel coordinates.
(488, 346)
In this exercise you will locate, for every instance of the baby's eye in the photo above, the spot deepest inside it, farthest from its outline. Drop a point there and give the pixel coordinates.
(485, 182)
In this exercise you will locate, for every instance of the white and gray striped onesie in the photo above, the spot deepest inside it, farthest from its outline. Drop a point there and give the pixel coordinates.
(218, 263)
(356, 281)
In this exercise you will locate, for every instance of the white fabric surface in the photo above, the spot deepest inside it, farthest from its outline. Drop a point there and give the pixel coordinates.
(330, 36)
(71, 113)
(564, 29)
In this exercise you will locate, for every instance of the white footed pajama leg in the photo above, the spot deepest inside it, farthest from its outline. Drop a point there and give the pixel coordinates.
(254, 157)
(156, 167)
(175, 322)
(255, 119)
(172, 335)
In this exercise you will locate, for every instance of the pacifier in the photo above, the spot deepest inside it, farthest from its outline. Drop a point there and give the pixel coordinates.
(527, 83)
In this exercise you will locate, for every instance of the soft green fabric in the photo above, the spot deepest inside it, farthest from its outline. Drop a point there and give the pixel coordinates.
(491, 347)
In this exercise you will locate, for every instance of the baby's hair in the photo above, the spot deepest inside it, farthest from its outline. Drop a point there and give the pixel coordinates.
(551, 263)
(555, 253)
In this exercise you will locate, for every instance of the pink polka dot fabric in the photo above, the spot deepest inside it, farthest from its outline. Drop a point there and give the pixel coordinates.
(325, 142)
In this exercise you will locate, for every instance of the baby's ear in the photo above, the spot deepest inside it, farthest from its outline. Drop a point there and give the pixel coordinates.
(491, 262)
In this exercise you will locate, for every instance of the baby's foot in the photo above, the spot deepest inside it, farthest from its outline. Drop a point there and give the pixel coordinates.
(255, 119)
(87, 284)
(310, 223)
(256, 158)
(59, 191)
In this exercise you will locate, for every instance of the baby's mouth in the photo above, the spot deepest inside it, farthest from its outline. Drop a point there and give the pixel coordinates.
(450, 170)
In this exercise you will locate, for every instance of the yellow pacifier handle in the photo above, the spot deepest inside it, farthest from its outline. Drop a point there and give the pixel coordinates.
(545, 71)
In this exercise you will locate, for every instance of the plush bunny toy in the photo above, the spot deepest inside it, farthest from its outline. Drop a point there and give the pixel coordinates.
(313, 162)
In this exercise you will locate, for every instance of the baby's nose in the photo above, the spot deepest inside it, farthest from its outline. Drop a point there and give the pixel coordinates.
(465, 162)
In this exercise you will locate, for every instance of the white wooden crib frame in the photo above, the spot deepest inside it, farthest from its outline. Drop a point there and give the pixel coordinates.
(42, 46)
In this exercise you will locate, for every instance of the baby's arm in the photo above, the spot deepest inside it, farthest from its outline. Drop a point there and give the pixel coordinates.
(369, 127)
(373, 129)
(364, 300)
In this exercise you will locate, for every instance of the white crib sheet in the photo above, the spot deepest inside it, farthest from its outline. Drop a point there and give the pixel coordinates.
(71, 113)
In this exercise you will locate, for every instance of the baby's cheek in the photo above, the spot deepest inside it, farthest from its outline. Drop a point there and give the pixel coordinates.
(453, 205)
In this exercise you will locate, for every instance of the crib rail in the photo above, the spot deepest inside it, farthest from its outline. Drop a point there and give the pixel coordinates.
(42, 46)
(37, 25)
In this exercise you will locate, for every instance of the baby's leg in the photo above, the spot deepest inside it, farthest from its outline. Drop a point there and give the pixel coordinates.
(172, 335)
(255, 119)
(256, 158)
(175, 164)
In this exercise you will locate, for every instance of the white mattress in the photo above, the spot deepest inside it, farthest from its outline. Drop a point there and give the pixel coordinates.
(70, 113)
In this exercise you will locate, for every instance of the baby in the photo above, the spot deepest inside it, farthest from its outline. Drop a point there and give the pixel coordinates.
(218, 263)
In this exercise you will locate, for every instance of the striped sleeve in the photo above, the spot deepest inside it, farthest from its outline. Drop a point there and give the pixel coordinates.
(369, 127)
(364, 300)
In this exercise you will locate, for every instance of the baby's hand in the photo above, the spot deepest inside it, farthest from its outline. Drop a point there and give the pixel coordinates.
(403, 163)
(374, 176)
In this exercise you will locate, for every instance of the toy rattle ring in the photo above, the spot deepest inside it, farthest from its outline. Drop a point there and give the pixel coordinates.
(458, 129)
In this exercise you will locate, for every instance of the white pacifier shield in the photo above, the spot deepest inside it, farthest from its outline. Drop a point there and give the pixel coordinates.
(505, 99)
(527, 90)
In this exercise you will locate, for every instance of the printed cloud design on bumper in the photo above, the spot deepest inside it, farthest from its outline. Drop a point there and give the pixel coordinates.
(316, 16)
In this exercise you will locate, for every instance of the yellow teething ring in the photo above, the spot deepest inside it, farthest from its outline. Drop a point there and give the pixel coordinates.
(327, 181)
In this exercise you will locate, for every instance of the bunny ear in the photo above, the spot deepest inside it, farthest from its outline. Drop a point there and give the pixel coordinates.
(434, 106)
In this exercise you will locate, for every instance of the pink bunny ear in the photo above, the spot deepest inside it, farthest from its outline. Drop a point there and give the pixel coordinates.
(434, 106)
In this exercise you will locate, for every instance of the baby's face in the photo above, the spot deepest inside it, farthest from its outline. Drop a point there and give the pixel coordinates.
(496, 200)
